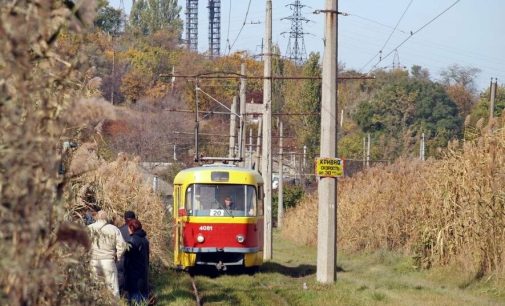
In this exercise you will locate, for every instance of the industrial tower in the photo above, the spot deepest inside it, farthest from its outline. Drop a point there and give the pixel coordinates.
(296, 44)
(214, 27)
(214, 7)
(192, 25)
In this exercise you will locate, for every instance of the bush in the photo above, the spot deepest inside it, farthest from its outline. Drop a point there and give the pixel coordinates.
(292, 195)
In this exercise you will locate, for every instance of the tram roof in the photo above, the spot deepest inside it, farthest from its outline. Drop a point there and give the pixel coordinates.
(203, 174)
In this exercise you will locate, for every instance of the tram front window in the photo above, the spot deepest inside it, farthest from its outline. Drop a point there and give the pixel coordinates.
(221, 200)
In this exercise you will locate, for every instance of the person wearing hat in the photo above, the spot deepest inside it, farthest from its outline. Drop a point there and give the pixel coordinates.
(128, 215)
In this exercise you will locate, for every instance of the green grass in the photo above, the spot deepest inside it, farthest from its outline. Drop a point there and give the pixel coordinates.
(380, 278)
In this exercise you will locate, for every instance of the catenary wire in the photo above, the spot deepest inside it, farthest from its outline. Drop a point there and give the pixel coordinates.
(413, 33)
(241, 28)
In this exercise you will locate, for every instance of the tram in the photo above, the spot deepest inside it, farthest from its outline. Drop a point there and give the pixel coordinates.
(218, 212)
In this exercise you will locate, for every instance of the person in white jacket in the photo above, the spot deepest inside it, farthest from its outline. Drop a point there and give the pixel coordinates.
(107, 247)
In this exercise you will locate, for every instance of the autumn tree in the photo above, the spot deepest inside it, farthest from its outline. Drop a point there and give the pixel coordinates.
(460, 86)
(458, 75)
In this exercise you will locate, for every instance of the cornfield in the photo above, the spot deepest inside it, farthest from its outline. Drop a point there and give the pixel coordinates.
(438, 211)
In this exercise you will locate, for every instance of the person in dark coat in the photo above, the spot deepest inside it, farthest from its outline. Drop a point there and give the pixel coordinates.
(128, 215)
(137, 263)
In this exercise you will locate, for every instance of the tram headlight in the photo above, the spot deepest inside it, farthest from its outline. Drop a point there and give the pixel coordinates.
(240, 238)
(200, 238)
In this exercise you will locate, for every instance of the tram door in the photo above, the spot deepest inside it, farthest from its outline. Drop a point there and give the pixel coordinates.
(178, 224)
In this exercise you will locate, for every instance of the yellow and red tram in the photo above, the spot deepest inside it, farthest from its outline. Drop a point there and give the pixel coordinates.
(210, 233)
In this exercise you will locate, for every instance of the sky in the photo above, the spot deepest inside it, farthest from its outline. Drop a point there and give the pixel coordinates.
(468, 34)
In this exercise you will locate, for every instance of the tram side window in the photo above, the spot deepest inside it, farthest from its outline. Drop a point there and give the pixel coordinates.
(251, 208)
(260, 200)
(189, 198)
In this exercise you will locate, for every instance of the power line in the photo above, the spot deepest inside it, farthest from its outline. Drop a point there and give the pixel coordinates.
(413, 33)
(396, 26)
(377, 22)
(232, 75)
(389, 37)
(241, 28)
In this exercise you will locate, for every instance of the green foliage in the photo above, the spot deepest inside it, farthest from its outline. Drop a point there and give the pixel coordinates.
(420, 73)
(109, 19)
(481, 109)
(310, 102)
(171, 172)
(278, 85)
(351, 146)
(292, 195)
(150, 16)
(407, 107)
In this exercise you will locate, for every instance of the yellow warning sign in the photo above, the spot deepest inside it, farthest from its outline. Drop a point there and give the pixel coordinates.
(329, 167)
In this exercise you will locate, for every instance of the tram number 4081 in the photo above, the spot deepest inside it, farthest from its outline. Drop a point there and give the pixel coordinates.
(205, 227)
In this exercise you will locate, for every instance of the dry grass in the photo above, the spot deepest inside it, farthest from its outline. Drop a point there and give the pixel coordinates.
(300, 223)
(41, 262)
(119, 186)
(468, 191)
(444, 211)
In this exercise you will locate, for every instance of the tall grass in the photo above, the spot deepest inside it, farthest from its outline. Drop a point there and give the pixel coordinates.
(439, 211)
(118, 186)
(40, 262)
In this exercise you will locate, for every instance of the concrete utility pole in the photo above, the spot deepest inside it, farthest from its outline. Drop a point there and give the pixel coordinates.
(266, 168)
(492, 99)
(113, 73)
(364, 152)
(280, 204)
(233, 127)
(258, 144)
(250, 157)
(243, 84)
(421, 147)
(368, 151)
(304, 164)
(327, 189)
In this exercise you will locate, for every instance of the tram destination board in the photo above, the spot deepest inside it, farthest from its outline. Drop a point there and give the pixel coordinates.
(329, 167)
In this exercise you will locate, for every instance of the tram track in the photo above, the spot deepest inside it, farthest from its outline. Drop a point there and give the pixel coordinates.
(195, 291)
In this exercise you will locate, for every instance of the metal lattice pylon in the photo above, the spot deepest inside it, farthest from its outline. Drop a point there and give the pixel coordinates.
(296, 43)
(214, 27)
(192, 25)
